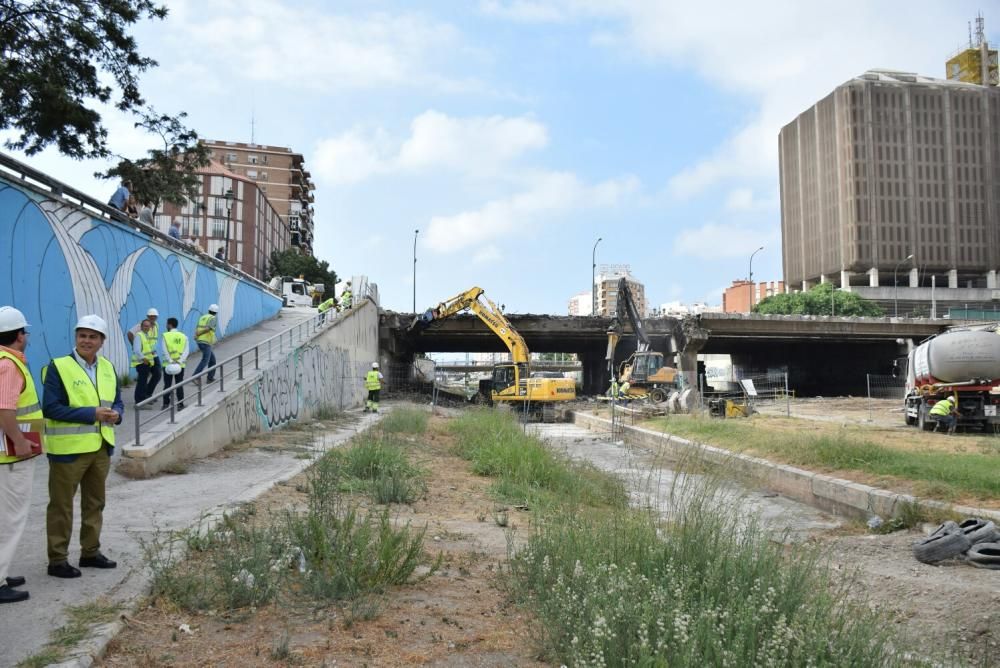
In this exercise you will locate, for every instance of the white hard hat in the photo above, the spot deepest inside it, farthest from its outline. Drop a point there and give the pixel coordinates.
(374, 365)
(172, 369)
(152, 311)
(94, 322)
(11, 319)
(214, 308)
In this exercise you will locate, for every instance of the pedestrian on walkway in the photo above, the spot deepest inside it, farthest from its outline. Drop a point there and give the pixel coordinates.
(373, 383)
(119, 200)
(174, 353)
(143, 355)
(81, 402)
(156, 370)
(18, 403)
(204, 336)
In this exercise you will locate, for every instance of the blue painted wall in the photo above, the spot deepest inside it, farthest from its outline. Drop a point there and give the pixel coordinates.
(59, 263)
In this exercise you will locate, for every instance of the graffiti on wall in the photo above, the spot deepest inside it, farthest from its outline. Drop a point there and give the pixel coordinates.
(308, 378)
(58, 263)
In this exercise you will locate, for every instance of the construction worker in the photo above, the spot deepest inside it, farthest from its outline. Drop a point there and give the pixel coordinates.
(155, 370)
(18, 403)
(346, 297)
(143, 355)
(204, 336)
(623, 390)
(174, 352)
(613, 390)
(373, 383)
(945, 413)
(81, 402)
(326, 306)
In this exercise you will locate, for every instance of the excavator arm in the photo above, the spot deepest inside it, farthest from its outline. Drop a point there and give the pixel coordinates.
(625, 308)
(474, 300)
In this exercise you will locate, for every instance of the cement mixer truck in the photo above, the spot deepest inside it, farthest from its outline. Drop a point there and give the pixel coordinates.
(961, 362)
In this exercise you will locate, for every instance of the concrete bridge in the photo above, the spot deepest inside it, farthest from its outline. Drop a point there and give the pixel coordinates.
(824, 355)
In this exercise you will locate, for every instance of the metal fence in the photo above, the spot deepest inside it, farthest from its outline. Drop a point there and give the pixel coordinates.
(755, 388)
(236, 368)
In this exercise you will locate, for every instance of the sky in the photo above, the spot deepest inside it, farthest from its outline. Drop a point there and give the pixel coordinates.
(513, 134)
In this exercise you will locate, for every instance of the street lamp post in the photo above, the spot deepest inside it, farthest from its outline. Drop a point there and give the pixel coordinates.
(750, 275)
(229, 207)
(895, 286)
(593, 278)
(415, 233)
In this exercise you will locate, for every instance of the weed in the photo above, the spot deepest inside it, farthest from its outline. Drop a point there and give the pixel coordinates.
(406, 421)
(327, 413)
(81, 621)
(396, 488)
(46, 657)
(500, 517)
(124, 380)
(280, 651)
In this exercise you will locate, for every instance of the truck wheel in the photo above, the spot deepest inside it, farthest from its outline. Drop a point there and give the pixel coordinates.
(923, 422)
(658, 395)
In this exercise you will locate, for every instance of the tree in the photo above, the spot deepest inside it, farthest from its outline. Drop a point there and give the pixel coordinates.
(823, 299)
(292, 263)
(168, 174)
(57, 57)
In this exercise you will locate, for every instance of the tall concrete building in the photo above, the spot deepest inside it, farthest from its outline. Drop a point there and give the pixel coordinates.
(280, 174)
(894, 179)
(581, 304)
(606, 287)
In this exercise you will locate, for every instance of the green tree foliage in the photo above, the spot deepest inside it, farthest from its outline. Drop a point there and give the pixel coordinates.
(170, 173)
(292, 263)
(60, 57)
(823, 299)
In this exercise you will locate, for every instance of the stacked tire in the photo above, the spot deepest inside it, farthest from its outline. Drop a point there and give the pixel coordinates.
(975, 540)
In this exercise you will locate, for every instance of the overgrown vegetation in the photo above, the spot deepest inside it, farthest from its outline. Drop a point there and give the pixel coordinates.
(81, 620)
(332, 551)
(623, 587)
(527, 472)
(941, 474)
(823, 299)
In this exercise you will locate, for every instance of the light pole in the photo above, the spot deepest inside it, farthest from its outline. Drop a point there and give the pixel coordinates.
(593, 278)
(750, 275)
(415, 233)
(229, 207)
(895, 287)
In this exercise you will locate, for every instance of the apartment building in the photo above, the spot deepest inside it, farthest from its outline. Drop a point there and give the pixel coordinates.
(742, 295)
(606, 287)
(280, 175)
(231, 213)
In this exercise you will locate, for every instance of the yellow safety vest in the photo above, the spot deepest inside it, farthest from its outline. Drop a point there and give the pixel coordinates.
(175, 342)
(154, 334)
(942, 407)
(345, 299)
(207, 320)
(372, 382)
(27, 408)
(148, 349)
(72, 438)
(326, 306)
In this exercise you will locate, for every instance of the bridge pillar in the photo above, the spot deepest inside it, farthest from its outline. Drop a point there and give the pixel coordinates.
(845, 281)
(594, 366)
(873, 277)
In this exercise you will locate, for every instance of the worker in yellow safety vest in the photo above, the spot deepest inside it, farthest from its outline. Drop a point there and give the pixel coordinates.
(143, 360)
(945, 413)
(346, 297)
(373, 383)
(18, 405)
(155, 370)
(174, 352)
(81, 403)
(204, 336)
(324, 307)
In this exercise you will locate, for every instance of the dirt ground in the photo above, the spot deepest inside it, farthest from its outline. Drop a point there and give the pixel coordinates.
(460, 616)
(457, 617)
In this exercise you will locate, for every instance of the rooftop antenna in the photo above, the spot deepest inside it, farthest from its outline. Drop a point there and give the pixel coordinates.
(970, 34)
(252, 124)
(980, 29)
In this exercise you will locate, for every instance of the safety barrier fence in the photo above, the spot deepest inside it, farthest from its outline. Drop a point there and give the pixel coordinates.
(236, 368)
(767, 388)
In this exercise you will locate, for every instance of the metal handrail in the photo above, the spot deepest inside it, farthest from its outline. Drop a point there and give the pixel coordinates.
(242, 359)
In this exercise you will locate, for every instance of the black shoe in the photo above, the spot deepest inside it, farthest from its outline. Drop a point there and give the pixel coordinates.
(97, 561)
(63, 570)
(180, 407)
(16, 581)
(9, 595)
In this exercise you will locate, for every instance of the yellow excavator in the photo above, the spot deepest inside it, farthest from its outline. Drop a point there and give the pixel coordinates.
(644, 369)
(511, 383)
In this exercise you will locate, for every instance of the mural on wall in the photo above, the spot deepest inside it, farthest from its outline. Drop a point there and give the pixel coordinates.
(308, 378)
(58, 263)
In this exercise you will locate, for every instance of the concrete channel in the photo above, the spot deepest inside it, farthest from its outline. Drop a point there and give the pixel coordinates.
(653, 484)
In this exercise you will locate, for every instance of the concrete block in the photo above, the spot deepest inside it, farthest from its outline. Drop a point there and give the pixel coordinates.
(792, 482)
(843, 495)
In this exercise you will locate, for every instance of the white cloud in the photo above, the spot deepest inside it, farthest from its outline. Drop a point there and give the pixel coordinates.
(549, 196)
(487, 255)
(784, 55)
(524, 11)
(475, 145)
(714, 240)
(303, 45)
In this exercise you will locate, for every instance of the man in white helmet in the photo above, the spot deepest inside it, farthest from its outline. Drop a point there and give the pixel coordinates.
(373, 383)
(204, 336)
(82, 402)
(155, 370)
(18, 404)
